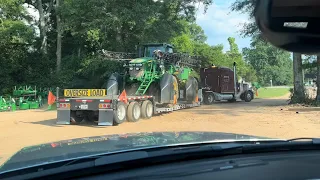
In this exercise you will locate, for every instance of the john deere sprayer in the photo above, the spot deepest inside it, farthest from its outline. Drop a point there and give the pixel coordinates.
(155, 80)
(156, 71)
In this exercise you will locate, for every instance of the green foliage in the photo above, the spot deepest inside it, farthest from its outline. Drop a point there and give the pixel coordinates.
(249, 29)
(244, 69)
(183, 43)
(270, 63)
(92, 25)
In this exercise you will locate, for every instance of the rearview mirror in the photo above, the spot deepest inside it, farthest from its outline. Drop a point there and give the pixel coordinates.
(293, 25)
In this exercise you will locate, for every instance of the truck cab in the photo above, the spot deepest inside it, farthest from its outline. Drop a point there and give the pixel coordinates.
(221, 83)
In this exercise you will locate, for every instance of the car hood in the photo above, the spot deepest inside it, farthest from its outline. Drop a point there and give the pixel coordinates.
(75, 148)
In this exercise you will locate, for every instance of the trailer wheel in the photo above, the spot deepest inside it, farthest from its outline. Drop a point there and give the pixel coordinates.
(75, 119)
(147, 109)
(119, 114)
(134, 112)
(208, 98)
(248, 96)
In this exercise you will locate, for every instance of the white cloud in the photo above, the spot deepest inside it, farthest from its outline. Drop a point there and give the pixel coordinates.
(35, 16)
(219, 23)
(32, 11)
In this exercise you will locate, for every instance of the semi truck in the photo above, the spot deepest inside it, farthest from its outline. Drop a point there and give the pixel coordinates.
(220, 83)
(154, 80)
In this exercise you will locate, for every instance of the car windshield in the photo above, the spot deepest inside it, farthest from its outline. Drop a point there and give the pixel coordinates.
(61, 97)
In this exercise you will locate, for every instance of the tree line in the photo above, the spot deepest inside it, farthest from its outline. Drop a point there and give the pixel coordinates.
(60, 48)
(250, 29)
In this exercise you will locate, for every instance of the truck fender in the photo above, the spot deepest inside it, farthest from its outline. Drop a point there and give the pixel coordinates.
(191, 89)
(113, 84)
(166, 87)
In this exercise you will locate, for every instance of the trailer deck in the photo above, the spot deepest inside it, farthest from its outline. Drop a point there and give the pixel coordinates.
(105, 108)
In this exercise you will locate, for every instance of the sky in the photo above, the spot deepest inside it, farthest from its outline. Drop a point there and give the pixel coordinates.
(219, 23)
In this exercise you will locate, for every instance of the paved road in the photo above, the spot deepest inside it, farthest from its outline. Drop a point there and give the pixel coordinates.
(261, 117)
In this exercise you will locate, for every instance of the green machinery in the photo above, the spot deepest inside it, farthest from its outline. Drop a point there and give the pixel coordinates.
(27, 97)
(7, 104)
(155, 70)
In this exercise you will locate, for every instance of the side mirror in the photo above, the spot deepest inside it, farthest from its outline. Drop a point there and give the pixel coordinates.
(290, 24)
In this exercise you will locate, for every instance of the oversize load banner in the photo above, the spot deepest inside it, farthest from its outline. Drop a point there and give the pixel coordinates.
(84, 92)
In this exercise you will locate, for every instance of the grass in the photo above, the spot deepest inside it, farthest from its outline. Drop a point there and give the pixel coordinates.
(53, 106)
(45, 106)
(272, 92)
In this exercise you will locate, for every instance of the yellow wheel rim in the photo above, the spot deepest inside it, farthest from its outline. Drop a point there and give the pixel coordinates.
(175, 90)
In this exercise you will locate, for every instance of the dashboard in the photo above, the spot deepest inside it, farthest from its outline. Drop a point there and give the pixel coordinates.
(261, 166)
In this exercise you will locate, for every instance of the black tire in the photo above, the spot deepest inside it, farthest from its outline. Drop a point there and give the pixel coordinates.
(208, 98)
(74, 119)
(242, 96)
(92, 116)
(133, 112)
(248, 96)
(146, 109)
(119, 115)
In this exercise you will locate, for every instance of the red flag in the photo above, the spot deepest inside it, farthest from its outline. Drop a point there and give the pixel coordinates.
(123, 97)
(51, 98)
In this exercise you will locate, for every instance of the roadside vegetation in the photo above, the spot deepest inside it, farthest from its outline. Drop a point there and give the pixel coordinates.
(61, 49)
(266, 92)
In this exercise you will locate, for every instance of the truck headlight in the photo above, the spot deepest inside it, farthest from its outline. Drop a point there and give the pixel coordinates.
(137, 69)
(131, 68)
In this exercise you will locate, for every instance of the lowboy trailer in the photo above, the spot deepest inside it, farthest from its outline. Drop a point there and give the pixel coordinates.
(113, 110)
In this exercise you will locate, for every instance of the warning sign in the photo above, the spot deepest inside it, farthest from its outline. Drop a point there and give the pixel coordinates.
(84, 92)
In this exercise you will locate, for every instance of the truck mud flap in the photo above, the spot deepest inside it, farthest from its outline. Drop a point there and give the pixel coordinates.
(105, 117)
(63, 116)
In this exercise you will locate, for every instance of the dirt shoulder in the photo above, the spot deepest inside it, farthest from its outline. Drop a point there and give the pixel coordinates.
(261, 117)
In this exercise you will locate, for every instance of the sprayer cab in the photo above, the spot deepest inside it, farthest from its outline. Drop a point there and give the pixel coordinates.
(147, 50)
(221, 83)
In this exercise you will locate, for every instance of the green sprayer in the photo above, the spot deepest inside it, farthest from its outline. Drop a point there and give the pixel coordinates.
(156, 71)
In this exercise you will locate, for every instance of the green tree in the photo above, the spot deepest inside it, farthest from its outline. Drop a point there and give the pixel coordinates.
(71, 33)
(250, 29)
(244, 69)
(270, 63)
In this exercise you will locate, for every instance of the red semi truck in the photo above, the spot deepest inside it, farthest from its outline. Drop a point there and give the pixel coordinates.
(220, 83)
